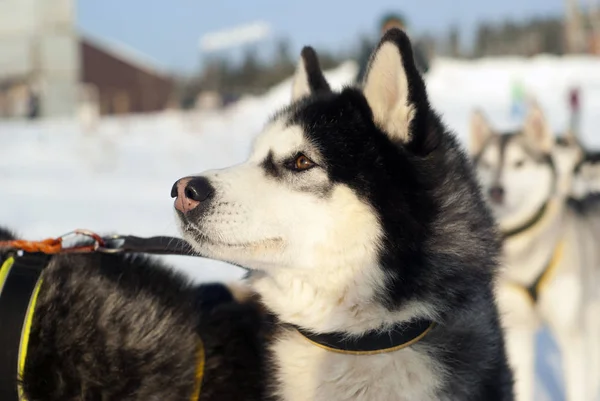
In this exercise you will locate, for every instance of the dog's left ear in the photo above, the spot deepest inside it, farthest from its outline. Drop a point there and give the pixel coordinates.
(308, 78)
(394, 88)
(536, 130)
(481, 132)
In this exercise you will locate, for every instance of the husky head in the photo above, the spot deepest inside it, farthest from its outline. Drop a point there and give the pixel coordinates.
(586, 179)
(351, 204)
(517, 170)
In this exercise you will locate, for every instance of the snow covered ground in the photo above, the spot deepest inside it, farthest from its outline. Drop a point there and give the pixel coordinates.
(55, 176)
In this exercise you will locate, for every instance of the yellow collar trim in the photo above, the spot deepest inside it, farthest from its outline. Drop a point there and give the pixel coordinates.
(375, 352)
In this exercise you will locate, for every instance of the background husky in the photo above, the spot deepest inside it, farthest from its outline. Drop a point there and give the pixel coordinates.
(358, 212)
(549, 252)
(110, 327)
(586, 180)
(583, 177)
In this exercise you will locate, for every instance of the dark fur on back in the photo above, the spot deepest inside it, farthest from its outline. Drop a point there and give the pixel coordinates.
(110, 327)
(440, 247)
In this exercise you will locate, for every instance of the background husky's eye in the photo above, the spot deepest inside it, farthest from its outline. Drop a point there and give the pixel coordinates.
(301, 163)
(519, 163)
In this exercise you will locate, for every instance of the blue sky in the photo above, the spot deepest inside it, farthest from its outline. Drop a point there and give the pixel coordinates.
(169, 30)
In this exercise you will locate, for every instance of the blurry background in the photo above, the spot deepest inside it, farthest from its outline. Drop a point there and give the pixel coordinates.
(104, 104)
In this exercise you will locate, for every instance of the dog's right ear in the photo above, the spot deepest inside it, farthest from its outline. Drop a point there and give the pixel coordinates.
(537, 131)
(308, 78)
(481, 132)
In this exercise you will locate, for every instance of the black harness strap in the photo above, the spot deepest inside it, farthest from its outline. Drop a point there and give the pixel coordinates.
(533, 289)
(160, 245)
(14, 302)
(372, 342)
(154, 245)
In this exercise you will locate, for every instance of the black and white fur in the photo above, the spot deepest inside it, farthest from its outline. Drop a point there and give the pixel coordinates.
(387, 225)
(519, 173)
(109, 327)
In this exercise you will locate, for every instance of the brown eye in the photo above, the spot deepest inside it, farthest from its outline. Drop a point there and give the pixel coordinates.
(519, 163)
(303, 163)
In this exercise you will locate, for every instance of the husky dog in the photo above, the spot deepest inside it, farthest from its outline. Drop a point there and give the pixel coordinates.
(549, 248)
(367, 237)
(111, 327)
(586, 180)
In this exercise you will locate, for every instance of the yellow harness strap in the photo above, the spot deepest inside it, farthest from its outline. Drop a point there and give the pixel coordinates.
(25, 334)
(26, 330)
(546, 275)
(4, 270)
(199, 371)
(551, 269)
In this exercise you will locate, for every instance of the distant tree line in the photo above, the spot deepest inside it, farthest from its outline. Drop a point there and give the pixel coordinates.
(540, 35)
(254, 76)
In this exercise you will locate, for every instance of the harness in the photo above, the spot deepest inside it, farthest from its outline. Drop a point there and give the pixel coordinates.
(21, 277)
(534, 290)
(373, 342)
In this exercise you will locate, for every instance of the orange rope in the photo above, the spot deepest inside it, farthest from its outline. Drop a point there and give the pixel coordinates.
(53, 246)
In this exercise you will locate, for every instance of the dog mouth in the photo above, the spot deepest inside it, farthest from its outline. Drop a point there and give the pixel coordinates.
(201, 238)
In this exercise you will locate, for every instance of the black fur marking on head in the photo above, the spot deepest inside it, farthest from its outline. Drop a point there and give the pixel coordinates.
(270, 166)
(588, 159)
(316, 79)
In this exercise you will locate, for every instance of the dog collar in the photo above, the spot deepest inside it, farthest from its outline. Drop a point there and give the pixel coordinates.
(19, 287)
(373, 342)
(530, 223)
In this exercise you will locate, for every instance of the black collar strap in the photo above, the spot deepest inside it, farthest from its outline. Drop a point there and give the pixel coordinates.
(530, 223)
(19, 283)
(373, 342)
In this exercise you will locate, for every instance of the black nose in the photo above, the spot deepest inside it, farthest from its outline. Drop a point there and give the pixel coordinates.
(497, 194)
(198, 189)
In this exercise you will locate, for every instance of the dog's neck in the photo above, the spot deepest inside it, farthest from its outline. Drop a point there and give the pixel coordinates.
(343, 300)
(527, 252)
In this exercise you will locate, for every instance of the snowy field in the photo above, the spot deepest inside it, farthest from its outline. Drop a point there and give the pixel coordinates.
(55, 176)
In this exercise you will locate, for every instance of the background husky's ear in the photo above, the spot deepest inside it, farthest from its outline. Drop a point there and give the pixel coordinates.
(308, 78)
(481, 131)
(393, 87)
(571, 138)
(536, 130)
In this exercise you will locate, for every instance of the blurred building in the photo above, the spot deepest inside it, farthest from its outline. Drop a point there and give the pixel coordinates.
(122, 80)
(39, 57)
(48, 69)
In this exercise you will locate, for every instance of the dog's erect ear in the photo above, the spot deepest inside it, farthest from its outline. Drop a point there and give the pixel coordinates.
(481, 132)
(536, 130)
(394, 88)
(308, 78)
(571, 138)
